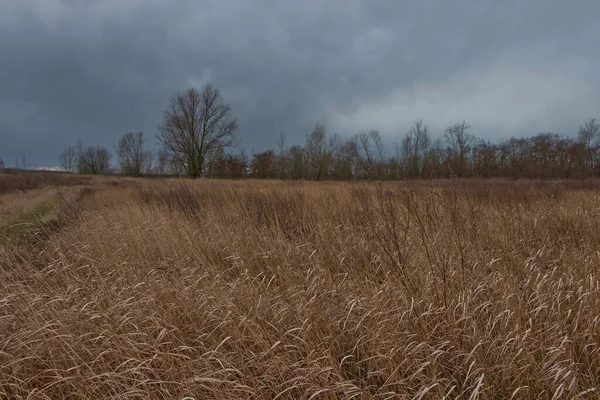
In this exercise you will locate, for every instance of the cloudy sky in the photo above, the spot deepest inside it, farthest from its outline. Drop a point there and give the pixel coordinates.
(93, 70)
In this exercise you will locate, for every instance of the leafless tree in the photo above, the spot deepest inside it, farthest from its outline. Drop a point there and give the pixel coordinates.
(68, 159)
(196, 124)
(297, 159)
(281, 140)
(459, 142)
(365, 148)
(264, 164)
(21, 163)
(2, 165)
(589, 133)
(163, 160)
(414, 146)
(378, 145)
(282, 164)
(316, 149)
(433, 160)
(94, 160)
(371, 152)
(133, 158)
(346, 158)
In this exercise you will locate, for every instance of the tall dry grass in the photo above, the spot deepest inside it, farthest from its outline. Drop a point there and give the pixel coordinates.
(210, 289)
(21, 180)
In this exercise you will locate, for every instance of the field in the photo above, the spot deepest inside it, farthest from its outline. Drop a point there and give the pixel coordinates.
(134, 289)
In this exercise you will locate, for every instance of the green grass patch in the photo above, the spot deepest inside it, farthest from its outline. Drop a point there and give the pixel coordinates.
(26, 223)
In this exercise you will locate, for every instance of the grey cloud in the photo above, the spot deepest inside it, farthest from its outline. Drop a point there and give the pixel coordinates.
(96, 69)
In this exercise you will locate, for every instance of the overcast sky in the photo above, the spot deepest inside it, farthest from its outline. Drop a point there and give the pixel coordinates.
(94, 70)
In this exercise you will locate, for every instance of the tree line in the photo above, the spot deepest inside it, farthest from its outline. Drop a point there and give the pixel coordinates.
(198, 138)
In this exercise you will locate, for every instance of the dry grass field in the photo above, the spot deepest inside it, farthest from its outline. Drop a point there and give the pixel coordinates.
(166, 289)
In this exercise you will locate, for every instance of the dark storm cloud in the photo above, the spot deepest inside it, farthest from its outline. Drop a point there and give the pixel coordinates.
(96, 69)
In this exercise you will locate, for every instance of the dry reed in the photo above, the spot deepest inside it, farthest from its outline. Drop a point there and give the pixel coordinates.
(224, 290)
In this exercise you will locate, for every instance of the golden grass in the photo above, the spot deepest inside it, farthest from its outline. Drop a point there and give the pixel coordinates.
(14, 205)
(248, 289)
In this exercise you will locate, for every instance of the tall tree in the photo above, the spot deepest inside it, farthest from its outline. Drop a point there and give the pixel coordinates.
(365, 153)
(414, 146)
(297, 160)
(2, 166)
(68, 159)
(133, 158)
(459, 144)
(282, 164)
(316, 151)
(589, 134)
(372, 154)
(94, 160)
(196, 124)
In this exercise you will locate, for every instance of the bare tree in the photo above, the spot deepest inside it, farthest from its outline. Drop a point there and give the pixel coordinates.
(589, 133)
(459, 142)
(196, 124)
(94, 160)
(281, 140)
(163, 161)
(68, 159)
(231, 166)
(281, 156)
(414, 146)
(316, 151)
(297, 159)
(372, 153)
(365, 153)
(378, 145)
(133, 159)
(433, 160)
(346, 158)
(21, 163)
(264, 164)
(2, 165)
(379, 152)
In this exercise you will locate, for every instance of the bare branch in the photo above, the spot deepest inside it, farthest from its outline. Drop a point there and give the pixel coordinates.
(195, 125)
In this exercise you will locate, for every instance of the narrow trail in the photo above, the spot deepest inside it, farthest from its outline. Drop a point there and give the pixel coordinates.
(29, 218)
